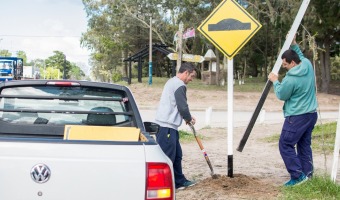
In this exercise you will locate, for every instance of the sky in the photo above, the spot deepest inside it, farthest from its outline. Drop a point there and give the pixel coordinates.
(40, 27)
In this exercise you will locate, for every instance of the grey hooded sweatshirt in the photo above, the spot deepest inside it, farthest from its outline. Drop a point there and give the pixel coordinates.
(173, 106)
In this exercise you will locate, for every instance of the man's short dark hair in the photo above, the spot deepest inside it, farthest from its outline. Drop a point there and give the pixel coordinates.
(290, 56)
(186, 67)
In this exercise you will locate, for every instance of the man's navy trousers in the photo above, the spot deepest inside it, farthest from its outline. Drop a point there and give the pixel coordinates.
(297, 130)
(168, 140)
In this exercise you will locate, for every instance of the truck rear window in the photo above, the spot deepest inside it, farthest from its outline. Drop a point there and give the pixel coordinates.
(63, 105)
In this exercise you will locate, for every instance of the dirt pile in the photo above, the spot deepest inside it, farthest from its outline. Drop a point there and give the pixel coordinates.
(224, 187)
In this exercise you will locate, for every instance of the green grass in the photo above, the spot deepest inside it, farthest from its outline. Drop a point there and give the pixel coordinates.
(254, 84)
(251, 84)
(323, 137)
(273, 138)
(319, 187)
(185, 136)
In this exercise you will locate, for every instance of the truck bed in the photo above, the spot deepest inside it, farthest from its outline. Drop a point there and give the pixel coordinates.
(63, 140)
(78, 170)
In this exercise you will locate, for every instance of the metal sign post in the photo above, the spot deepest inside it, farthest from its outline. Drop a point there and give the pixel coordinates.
(230, 115)
(336, 150)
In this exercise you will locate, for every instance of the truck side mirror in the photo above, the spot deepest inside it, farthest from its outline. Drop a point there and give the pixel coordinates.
(151, 127)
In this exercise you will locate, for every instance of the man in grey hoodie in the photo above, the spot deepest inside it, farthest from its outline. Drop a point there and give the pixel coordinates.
(172, 109)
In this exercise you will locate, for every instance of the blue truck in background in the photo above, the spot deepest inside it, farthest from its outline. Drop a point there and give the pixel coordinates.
(11, 68)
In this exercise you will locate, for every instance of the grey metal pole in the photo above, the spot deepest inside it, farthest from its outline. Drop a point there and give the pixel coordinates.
(64, 68)
(150, 53)
(180, 39)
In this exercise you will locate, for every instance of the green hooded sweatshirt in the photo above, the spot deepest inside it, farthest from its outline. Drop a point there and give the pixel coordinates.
(297, 88)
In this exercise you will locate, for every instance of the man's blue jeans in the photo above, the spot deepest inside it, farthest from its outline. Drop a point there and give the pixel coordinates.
(297, 130)
(168, 140)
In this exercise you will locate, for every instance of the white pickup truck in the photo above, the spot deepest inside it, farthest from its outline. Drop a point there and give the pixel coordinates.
(80, 140)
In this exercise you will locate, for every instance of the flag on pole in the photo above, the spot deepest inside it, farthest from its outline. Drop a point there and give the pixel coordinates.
(189, 33)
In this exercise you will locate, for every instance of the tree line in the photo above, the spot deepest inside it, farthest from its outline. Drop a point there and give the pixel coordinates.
(117, 29)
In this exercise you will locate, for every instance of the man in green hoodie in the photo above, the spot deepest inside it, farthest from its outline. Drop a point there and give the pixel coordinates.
(297, 90)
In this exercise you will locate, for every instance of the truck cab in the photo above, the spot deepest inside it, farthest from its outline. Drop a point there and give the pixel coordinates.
(11, 68)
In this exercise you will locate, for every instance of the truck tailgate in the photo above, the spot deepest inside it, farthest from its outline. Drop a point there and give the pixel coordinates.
(77, 171)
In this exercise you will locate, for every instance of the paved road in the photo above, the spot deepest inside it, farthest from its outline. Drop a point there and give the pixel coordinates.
(241, 118)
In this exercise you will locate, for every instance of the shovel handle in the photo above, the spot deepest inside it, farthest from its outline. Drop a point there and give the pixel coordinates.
(196, 137)
(200, 144)
(202, 148)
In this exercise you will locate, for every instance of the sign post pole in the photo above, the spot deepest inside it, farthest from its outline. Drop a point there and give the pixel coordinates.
(230, 116)
(336, 150)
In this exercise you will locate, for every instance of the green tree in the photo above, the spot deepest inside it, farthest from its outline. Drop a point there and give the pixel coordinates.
(325, 26)
(103, 37)
(76, 73)
(58, 61)
(51, 73)
(5, 53)
(22, 54)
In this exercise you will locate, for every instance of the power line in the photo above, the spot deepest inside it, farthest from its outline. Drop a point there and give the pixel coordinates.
(40, 36)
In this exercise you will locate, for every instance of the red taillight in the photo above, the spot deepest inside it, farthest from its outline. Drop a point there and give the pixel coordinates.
(62, 83)
(159, 183)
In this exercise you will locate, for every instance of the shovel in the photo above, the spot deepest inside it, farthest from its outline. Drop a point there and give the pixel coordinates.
(213, 175)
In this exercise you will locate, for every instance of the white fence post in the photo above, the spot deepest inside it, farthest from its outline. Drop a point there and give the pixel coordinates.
(208, 112)
(336, 150)
(262, 116)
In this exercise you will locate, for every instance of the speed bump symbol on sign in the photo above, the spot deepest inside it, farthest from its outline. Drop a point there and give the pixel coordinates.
(229, 27)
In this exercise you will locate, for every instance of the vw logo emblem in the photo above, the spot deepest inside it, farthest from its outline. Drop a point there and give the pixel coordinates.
(40, 173)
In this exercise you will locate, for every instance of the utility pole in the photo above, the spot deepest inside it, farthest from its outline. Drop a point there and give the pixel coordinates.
(64, 66)
(150, 53)
(180, 40)
(44, 69)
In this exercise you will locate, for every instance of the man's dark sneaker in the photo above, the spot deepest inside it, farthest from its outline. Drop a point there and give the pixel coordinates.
(186, 184)
(309, 175)
(293, 182)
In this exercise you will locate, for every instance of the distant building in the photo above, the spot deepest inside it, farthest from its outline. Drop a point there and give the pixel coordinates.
(28, 72)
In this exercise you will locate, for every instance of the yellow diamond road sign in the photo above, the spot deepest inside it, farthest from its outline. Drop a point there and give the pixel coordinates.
(229, 27)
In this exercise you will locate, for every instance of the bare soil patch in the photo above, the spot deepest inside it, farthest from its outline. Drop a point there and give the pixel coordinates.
(232, 188)
(258, 171)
